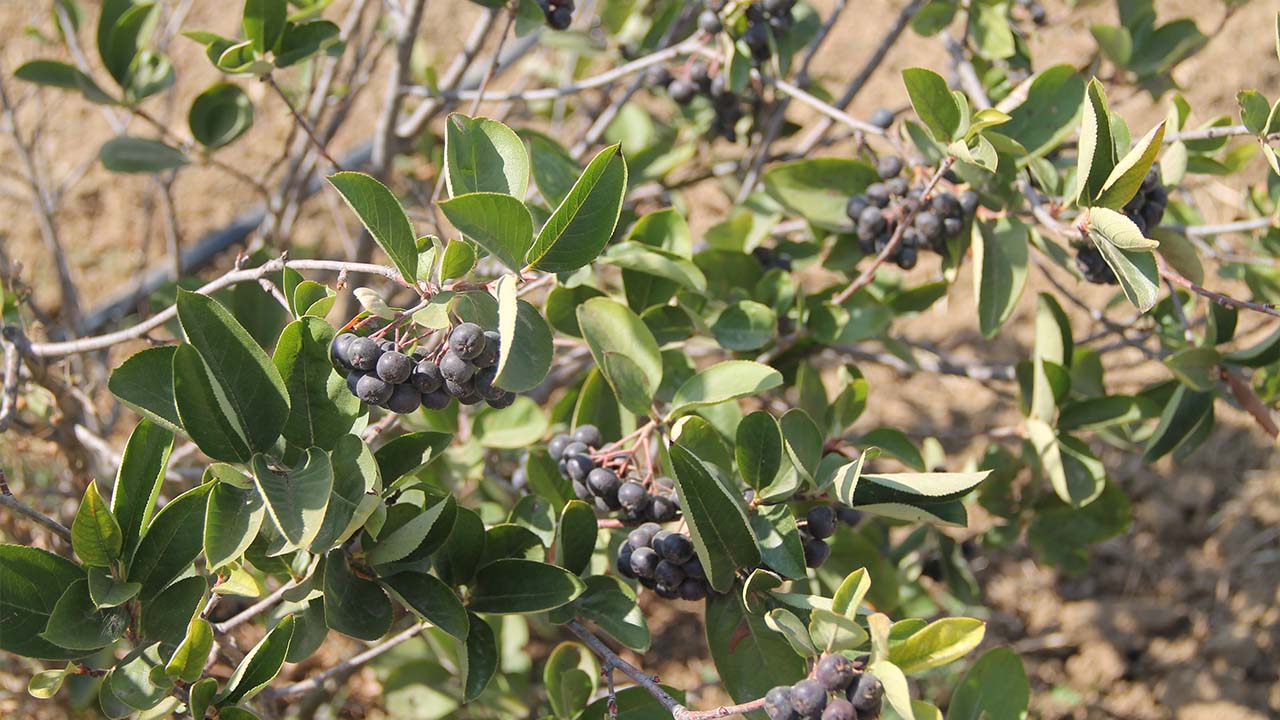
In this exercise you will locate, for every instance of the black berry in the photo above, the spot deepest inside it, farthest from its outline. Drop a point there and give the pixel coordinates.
(372, 389)
(836, 672)
(821, 521)
(426, 377)
(556, 447)
(467, 340)
(588, 435)
(777, 704)
(455, 369)
(644, 562)
(404, 399)
(866, 695)
(816, 552)
(363, 353)
(808, 698)
(339, 349)
(839, 709)
(394, 367)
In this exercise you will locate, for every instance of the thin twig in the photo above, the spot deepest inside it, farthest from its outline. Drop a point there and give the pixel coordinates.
(1177, 278)
(11, 502)
(302, 122)
(346, 667)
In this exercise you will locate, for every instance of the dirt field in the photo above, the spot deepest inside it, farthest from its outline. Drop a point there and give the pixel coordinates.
(1179, 618)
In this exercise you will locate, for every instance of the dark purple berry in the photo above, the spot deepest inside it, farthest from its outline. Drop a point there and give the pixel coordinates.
(603, 482)
(363, 353)
(560, 18)
(816, 552)
(693, 589)
(808, 698)
(839, 709)
(624, 561)
(503, 399)
(644, 562)
(404, 399)
(889, 166)
(866, 695)
(836, 672)
(588, 435)
(467, 340)
(848, 515)
(882, 118)
(426, 377)
(709, 22)
(579, 467)
(669, 573)
(694, 569)
(969, 202)
(454, 368)
(489, 356)
(437, 399)
(394, 367)
(777, 704)
(372, 389)
(662, 508)
(674, 547)
(338, 350)
(682, 91)
(633, 496)
(821, 520)
(556, 447)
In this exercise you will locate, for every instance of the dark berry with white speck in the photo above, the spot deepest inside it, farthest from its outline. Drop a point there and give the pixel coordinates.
(394, 367)
(809, 697)
(777, 704)
(836, 672)
(364, 353)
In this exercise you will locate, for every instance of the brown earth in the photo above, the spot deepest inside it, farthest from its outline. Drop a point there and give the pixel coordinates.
(1178, 618)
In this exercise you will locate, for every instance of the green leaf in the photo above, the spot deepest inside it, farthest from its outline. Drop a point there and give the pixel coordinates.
(354, 606)
(499, 223)
(527, 349)
(165, 616)
(1196, 367)
(202, 696)
(785, 623)
(142, 469)
(938, 643)
(1127, 176)
(516, 586)
(409, 452)
(758, 449)
(479, 662)
(296, 497)
(847, 476)
(582, 224)
(575, 536)
(1097, 154)
(1104, 412)
(404, 539)
(144, 382)
(383, 217)
(554, 169)
(264, 22)
(1261, 354)
(456, 562)
(639, 258)
(125, 154)
(717, 523)
(1049, 113)
(430, 598)
(138, 680)
(106, 591)
(633, 703)
(896, 690)
(302, 41)
(459, 259)
(1254, 110)
(1076, 475)
(722, 382)
(999, 270)
(1134, 268)
(517, 426)
(355, 481)
(231, 522)
(171, 542)
(95, 534)
(1183, 412)
(52, 73)
(483, 155)
(187, 662)
(207, 416)
(570, 679)
(818, 189)
(322, 409)
(625, 351)
(779, 540)
(933, 103)
(251, 385)
(33, 581)
(745, 325)
(611, 605)
(750, 658)
(220, 115)
(834, 632)
(803, 441)
(123, 28)
(996, 688)
(260, 666)
(78, 624)
(46, 683)
(848, 597)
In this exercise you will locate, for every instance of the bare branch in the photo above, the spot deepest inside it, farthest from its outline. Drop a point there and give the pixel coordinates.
(15, 505)
(347, 667)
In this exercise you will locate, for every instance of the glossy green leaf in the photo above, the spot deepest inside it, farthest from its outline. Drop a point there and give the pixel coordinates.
(518, 426)
(144, 382)
(610, 604)
(483, 155)
(322, 409)
(354, 606)
(393, 545)
(34, 580)
(717, 523)
(750, 658)
(722, 382)
(499, 223)
(933, 103)
(575, 536)
(220, 115)
(999, 270)
(170, 543)
(296, 497)
(516, 586)
(187, 662)
(582, 224)
(1097, 154)
(995, 687)
(383, 217)
(479, 659)
(554, 169)
(355, 478)
(260, 666)
(758, 449)
(625, 351)
(1126, 177)
(76, 622)
(526, 349)
(232, 519)
(939, 643)
(430, 598)
(126, 154)
(95, 534)
(817, 189)
(106, 591)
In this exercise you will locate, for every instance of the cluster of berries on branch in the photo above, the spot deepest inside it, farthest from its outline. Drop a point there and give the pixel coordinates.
(881, 208)
(559, 13)
(598, 478)
(1145, 209)
(664, 562)
(763, 17)
(380, 373)
(858, 695)
(697, 80)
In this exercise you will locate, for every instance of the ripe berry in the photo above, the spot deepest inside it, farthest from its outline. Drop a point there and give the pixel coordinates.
(709, 22)
(816, 552)
(668, 573)
(822, 521)
(501, 400)
(951, 227)
(589, 435)
(866, 695)
(363, 353)
(394, 367)
(855, 206)
(579, 466)
(456, 369)
(488, 357)
(467, 340)
(484, 380)
(889, 166)
(666, 591)
(969, 202)
(404, 399)
(694, 569)
(756, 37)
(580, 491)
(907, 258)
(848, 515)
(556, 447)
(644, 562)
(575, 448)
(929, 225)
(882, 118)
(641, 536)
(777, 704)
(836, 672)
(778, 7)
(878, 194)
(658, 76)
(603, 482)
(662, 508)
(372, 389)
(623, 562)
(693, 589)
(872, 220)
(338, 349)
(674, 547)
(897, 186)
(946, 205)
(437, 399)
(682, 91)
(560, 18)
(426, 377)
(809, 697)
(839, 709)
(633, 496)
